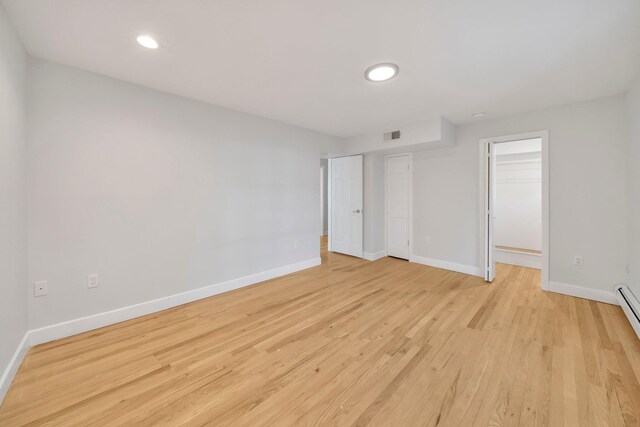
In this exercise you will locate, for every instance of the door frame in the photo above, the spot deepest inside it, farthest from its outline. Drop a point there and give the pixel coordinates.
(329, 206)
(482, 208)
(322, 201)
(386, 199)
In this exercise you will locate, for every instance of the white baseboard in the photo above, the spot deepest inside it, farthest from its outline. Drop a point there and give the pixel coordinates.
(522, 259)
(99, 320)
(581, 292)
(372, 256)
(13, 366)
(446, 265)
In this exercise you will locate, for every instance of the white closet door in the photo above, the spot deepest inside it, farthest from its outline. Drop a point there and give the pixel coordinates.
(346, 205)
(397, 201)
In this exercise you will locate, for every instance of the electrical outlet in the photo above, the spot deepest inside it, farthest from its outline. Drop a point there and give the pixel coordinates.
(296, 244)
(40, 288)
(427, 240)
(577, 260)
(92, 281)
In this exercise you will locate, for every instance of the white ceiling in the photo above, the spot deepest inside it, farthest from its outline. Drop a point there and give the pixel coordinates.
(302, 61)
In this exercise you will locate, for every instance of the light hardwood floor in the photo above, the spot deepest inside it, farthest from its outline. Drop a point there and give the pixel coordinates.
(350, 342)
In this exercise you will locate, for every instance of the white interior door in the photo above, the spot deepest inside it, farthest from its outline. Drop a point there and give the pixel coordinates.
(490, 203)
(398, 187)
(346, 205)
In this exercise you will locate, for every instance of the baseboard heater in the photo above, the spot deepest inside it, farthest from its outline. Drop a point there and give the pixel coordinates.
(631, 306)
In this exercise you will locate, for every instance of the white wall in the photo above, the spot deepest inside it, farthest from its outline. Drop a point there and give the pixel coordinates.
(445, 201)
(633, 106)
(156, 193)
(373, 197)
(13, 231)
(588, 200)
(518, 211)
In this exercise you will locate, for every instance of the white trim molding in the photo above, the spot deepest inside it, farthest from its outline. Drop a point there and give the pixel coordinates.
(607, 297)
(373, 256)
(99, 320)
(523, 259)
(447, 265)
(13, 366)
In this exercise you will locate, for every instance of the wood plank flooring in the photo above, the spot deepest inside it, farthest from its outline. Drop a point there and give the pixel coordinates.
(350, 342)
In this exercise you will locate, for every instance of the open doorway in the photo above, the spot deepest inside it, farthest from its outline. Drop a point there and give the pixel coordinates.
(514, 205)
(324, 203)
(518, 209)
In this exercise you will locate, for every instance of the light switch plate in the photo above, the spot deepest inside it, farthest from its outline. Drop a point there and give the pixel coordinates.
(92, 281)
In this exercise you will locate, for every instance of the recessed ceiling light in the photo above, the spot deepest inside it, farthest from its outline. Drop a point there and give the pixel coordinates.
(381, 72)
(148, 42)
(478, 115)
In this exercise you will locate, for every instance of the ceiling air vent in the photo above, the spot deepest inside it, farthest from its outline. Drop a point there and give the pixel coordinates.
(391, 136)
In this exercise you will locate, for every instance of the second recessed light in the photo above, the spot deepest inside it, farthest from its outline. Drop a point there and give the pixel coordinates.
(381, 72)
(147, 41)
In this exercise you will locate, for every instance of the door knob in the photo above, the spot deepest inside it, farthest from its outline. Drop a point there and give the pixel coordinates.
(357, 211)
